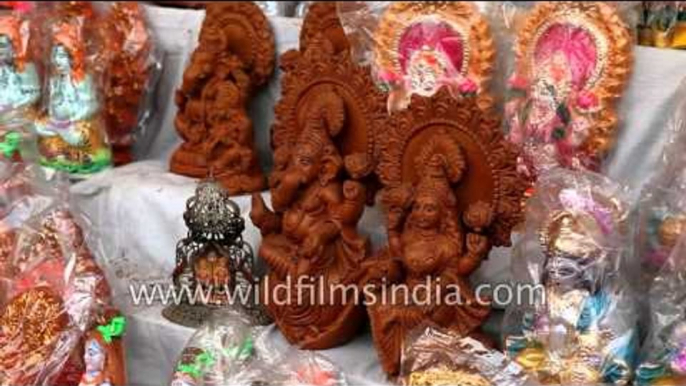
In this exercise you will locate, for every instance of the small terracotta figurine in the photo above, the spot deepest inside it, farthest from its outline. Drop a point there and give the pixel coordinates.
(235, 55)
(451, 192)
(71, 133)
(324, 141)
(129, 74)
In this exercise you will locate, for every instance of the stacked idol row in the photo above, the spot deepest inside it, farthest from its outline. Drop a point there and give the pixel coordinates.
(77, 81)
(419, 131)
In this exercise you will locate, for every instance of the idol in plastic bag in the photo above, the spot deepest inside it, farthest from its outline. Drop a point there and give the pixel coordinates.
(53, 292)
(228, 350)
(21, 88)
(435, 357)
(661, 208)
(131, 71)
(421, 47)
(71, 131)
(571, 63)
(663, 356)
(218, 349)
(579, 324)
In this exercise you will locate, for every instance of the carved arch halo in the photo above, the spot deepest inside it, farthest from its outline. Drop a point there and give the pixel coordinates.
(491, 174)
(245, 32)
(319, 69)
(612, 44)
(463, 19)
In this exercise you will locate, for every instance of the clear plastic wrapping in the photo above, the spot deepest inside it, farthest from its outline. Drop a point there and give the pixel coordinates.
(571, 63)
(421, 47)
(21, 88)
(132, 66)
(574, 318)
(71, 131)
(435, 357)
(228, 350)
(661, 208)
(663, 356)
(53, 292)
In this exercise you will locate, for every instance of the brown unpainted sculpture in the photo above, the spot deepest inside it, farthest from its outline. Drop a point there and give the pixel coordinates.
(235, 54)
(324, 141)
(451, 192)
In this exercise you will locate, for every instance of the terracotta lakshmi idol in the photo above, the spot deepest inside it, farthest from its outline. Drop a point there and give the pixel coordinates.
(572, 60)
(451, 192)
(421, 47)
(235, 55)
(324, 143)
(71, 132)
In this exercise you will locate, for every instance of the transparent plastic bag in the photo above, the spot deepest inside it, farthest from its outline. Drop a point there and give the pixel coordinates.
(53, 292)
(20, 79)
(421, 47)
(663, 356)
(574, 318)
(661, 208)
(223, 346)
(229, 351)
(131, 66)
(70, 130)
(435, 357)
(571, 63)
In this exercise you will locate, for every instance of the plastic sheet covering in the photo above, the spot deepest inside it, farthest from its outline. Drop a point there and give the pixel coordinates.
(571, 63)
(227, 350)
(435, 357)
(52, 289)
(576, 322)
(663, 356)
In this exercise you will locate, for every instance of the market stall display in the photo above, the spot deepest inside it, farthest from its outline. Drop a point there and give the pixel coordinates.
(436, 165)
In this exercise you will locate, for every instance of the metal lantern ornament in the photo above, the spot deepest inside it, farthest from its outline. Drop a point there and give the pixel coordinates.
(212, 261)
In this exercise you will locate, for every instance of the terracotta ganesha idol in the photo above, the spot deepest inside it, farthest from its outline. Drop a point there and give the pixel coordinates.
(235, 54)
(312, 232)
(324, 141)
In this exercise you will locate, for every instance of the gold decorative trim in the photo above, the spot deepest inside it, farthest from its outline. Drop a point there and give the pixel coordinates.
(614, 47)
(464, 17)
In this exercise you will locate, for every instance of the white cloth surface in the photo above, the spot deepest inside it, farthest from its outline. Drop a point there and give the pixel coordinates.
(138, 208)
